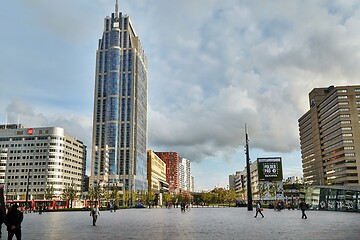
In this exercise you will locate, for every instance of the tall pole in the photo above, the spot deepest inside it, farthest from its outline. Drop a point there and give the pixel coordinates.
(27, 190)
(248, 177)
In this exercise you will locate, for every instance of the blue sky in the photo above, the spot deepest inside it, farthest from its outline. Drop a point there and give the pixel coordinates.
(214, 66)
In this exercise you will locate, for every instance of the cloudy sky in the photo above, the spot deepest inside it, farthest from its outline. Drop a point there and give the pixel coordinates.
(214, 66)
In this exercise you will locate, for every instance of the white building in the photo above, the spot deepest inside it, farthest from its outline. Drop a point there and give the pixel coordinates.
(184, 175)
(33, 159)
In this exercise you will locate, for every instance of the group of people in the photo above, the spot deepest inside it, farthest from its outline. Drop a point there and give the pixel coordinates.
(12, 219)
(302, 206)
(112, 207)
(184, 206)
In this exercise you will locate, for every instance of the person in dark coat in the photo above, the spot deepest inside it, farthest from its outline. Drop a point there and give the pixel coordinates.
(258, 209)
(13, 220)
(303, 207)
(95, 212)
(2, 218)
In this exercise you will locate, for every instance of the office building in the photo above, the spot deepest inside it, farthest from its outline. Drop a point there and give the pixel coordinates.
(33, 159)
(330, 137)
(184, 174)
(266, 180)
(120, 107)
(156, 176)
(192, 184)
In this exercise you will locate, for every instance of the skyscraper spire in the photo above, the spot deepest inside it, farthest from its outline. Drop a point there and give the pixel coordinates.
(116, 9)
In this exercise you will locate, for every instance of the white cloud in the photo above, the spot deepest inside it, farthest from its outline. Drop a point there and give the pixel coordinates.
(213, 66)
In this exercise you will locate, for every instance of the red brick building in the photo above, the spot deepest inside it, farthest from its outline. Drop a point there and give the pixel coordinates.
(172, 160)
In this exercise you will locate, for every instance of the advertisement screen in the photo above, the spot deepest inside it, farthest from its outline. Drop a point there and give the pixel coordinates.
(270, 169)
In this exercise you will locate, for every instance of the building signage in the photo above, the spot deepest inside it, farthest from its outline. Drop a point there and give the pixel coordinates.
(270, 169)
(30, 131)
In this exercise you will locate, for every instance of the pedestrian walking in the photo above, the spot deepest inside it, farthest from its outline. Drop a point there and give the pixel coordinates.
(94, 213)
(303, 207)
(115, 207)
(2, 218)
(13, 220)
(258, 209)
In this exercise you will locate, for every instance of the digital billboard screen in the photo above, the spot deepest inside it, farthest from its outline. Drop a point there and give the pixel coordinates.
(270, 169)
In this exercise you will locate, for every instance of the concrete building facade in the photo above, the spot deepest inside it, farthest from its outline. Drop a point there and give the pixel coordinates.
(156, 172)
(184, 174)
(265, 187)
(330, 137)
(33, 159)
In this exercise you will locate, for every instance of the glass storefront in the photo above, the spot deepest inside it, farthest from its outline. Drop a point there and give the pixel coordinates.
(346, 199)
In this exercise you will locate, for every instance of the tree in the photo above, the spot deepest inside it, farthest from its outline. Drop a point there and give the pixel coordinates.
(150, 197)
(274, 190)
(115, 194)
(143, 196)
(94, 193)
(242, 193)
(262, 190)
(91, 194)
(207, 197)
(49, 192)
(69, 193)
(167, 197)
(107, 194)
(133, 196)
(126, 197)
(231, 196)
(218, 195)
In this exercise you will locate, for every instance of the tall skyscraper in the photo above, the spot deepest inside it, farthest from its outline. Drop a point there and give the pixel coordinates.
(120, 107)
(330, 136)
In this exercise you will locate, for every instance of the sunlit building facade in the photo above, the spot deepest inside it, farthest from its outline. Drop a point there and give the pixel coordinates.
(330, 137)
(184, 174)
(34, 159)
(172, 160)
(156, 169)
(120, 107)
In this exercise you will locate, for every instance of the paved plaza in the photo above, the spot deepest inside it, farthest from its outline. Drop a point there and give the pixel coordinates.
(199, 223)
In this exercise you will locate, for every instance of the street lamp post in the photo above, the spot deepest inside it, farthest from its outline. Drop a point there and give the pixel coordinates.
(249, 193)
(27, 190)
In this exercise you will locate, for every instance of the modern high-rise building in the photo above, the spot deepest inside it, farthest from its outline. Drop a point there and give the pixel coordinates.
(172, 160)
(330, 136)
(34, 159)
(120, 107)
(184, 174)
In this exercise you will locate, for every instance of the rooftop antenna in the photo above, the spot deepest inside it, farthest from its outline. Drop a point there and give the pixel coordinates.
(5, 121)
(117, 9)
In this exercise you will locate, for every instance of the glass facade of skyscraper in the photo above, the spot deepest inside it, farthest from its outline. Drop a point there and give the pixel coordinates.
(120, 107)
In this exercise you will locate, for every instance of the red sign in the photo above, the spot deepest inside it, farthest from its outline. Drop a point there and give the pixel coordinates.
(30, 131)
